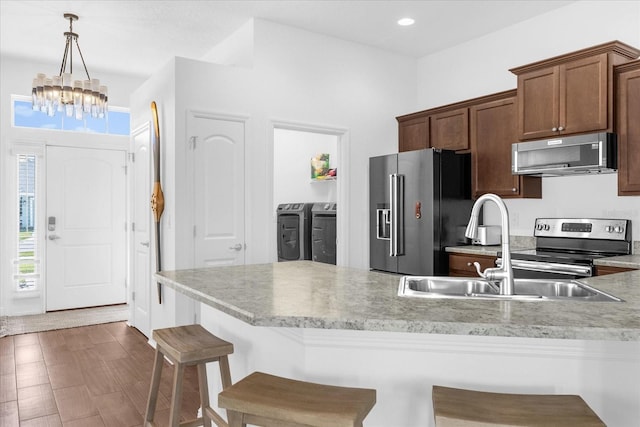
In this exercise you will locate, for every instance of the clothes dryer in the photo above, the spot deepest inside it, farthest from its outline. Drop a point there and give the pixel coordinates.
(323, 232)
(294, 231)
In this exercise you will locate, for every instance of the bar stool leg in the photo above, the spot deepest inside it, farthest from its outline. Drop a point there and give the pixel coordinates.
(176, 399)
(225, 376)
(225, 372)
(204, 394)
(154, 388)
(235, 419)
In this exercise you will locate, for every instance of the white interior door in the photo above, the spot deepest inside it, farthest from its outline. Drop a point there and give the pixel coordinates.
(218, 145)
(141, 229)
(86, 237)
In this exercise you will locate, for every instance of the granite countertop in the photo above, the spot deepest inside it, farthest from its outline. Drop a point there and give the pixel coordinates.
(491, 250)
(624, 261)
(306, 294)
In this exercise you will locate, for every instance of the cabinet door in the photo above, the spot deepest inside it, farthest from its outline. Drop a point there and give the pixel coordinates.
(413, 134)
(602, 270)
(583, 95)
(450, 130)
(461, 265)
(493, 130)
(538, 105)
(628, 128)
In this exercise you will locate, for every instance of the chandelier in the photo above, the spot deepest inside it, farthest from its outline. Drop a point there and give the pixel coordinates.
(61, 93)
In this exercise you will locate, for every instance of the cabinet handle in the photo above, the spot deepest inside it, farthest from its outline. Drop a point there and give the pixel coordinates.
(554, 129)
(561, 128)
(514, 189)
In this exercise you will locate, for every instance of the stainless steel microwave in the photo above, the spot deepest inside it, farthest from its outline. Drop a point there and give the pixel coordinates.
(571, 155)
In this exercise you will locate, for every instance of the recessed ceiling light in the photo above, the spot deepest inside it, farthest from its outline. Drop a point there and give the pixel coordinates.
(405, 22)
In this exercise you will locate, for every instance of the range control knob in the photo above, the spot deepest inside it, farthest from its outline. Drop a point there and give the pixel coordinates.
(546, 227)
(608, 229)
(618, 229)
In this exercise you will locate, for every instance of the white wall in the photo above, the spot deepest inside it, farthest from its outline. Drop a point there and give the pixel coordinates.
(481, 67)
(314, 79)
(292, 155)
(297, 77)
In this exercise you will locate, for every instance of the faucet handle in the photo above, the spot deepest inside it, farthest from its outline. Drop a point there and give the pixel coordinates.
(476, 264)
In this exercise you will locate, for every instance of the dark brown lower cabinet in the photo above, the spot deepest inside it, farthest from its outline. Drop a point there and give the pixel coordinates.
(602, 270)
(461, 265)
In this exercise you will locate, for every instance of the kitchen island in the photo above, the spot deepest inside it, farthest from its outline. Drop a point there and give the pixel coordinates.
(346, 326)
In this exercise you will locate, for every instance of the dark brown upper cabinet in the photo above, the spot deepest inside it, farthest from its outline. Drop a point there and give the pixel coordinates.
(449, 130)
(493, 130)
(413, 134)
(444, 127)
(570, 94)
(628, 128)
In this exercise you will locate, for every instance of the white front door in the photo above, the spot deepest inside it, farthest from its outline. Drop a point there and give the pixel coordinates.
(218, 145)
(86, 237)
(141, 229)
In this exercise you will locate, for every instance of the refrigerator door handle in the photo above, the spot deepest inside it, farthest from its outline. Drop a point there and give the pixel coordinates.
(393, 183)
(396, 244)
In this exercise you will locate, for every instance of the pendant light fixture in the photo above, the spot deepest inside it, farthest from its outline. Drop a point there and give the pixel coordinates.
(75, 98)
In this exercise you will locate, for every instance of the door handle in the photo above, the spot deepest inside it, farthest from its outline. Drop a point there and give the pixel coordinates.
(236, 247)
(145, 244)
(393, 230)
(53, 237)
(396, 190)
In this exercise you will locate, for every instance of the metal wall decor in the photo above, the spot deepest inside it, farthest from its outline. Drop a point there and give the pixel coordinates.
(157, 198)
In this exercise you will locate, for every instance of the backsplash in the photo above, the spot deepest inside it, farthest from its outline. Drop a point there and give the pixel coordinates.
(522, 241)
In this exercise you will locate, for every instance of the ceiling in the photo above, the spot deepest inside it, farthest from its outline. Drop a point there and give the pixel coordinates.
(138, 37)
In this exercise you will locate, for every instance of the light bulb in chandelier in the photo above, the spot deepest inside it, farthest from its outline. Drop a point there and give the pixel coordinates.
(61, 93)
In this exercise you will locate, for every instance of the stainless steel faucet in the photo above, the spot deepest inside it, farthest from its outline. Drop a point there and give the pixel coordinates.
(504, 274)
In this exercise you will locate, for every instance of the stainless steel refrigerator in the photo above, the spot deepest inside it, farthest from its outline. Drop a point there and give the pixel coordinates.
(418, 202)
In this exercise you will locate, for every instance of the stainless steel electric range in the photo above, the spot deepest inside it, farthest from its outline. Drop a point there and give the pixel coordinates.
(567, 247)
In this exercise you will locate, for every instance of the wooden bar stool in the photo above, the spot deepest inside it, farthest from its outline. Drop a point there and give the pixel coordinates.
(186, 346)
(271, 401)
(453, 407)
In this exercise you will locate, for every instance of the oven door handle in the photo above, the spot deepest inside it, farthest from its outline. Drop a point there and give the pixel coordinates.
(549, 267)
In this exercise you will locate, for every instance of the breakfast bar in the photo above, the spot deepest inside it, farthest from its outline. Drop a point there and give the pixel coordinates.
(346, 326)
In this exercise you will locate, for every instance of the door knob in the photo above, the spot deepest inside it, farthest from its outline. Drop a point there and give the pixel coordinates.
(236, 247)
(53, 237)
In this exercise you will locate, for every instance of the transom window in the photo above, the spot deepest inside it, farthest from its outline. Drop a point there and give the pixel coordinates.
(116, 123)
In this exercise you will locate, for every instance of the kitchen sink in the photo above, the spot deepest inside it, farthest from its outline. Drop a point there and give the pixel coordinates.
(478, 288)
(460, 286)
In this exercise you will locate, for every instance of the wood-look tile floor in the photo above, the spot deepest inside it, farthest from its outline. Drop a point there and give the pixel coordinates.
(89, 376)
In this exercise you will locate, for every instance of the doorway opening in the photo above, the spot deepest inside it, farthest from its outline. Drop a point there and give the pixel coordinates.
(307, 169)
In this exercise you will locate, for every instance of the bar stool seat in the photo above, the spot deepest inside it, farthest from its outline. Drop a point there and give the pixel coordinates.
(267, 400)
(187, 346)
(454, 407)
